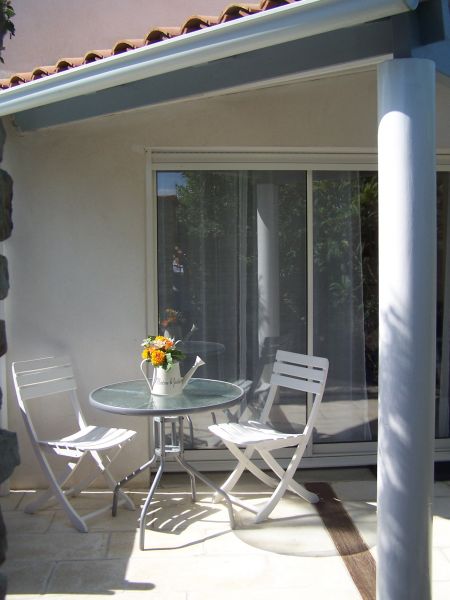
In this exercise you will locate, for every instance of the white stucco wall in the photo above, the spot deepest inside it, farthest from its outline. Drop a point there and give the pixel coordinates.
(77, 253)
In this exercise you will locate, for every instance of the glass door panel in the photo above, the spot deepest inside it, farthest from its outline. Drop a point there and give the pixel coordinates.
(232, 278)
(443, 308)
(345, 307)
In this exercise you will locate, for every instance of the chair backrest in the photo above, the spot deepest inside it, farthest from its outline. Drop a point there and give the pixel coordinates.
(299, 372)
(43, 377)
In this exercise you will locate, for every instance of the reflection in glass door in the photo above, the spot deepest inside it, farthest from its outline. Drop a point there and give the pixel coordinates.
(232, 278)
(237, 266)
(345, 307)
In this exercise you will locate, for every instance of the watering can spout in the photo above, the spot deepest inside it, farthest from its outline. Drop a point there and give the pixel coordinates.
(198, 363)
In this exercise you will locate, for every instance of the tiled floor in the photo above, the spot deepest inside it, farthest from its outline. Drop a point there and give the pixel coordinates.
(192, 553)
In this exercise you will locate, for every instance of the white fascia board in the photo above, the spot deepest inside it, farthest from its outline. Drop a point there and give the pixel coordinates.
(279, 25)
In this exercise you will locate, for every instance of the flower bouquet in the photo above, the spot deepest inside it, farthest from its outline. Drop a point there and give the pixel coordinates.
(163, 354)
(161, 351)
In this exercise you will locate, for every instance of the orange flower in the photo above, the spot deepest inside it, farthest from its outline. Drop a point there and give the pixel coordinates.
(157, 357)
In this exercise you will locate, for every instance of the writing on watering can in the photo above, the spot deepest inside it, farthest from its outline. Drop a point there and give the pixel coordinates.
(167, 380)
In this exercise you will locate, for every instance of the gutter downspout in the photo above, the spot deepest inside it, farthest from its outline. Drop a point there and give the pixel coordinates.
(276, 26)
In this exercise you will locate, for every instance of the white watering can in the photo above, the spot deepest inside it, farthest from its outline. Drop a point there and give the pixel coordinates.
(170, 382)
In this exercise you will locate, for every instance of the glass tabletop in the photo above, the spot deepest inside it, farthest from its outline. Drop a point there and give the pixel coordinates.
(134, 398)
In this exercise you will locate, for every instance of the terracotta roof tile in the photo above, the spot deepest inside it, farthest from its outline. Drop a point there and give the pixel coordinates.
(43, 72)
(236, 11)
(127, 45)
(68, 63)
(196, 23)
(19, 78)
(162, 33)
(155, 35)
(94, 55)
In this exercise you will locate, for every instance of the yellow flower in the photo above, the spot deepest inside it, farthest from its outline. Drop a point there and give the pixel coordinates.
(146, 354)
(157, 357)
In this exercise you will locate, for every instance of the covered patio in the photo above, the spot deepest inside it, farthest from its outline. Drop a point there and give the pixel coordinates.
(315, 87)
(193, 555)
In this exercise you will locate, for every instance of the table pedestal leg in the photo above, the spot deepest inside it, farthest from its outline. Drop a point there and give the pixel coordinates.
(153, 487)
(177, 449)
(126, 480)
(194, 473)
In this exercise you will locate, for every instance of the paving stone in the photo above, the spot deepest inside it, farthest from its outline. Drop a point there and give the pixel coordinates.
(441, 488)
(27, 576)
(11, 500)
(96, 577)
(58, 545)
(19, 522)
(126, 544)
(440, 566)
(355, 490)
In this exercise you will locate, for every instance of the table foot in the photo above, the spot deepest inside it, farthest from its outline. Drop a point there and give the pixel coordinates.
(153, 487)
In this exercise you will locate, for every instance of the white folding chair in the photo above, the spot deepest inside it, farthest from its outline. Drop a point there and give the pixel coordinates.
(290, 370)
(54, 378)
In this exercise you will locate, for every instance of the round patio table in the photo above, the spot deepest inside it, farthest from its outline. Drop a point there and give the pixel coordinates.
(134, 398)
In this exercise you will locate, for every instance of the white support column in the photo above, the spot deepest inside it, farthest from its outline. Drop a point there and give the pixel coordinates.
(407, 240)
(268, 263)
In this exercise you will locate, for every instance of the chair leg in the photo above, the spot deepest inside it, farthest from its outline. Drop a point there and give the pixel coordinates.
(47, 495)
(111, 482)
(293, 485)
(245, 463)
(232, 480)
(56, 492)
(285, 482)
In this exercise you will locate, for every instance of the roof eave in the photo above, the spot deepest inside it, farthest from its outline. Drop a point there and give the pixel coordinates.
(295, 21)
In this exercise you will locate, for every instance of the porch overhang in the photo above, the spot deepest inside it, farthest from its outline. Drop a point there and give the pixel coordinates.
(293, 41)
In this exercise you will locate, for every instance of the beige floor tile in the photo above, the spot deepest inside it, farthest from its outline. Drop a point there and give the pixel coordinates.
(200, 573)
(11, 500)
(57, 545)
(446, 553)
(125, 520)
(126, 544)
(441, 523)
(441, 590)
(26, 576)
(333, 475)
(440, 566)
(96, 577)
(441, 488)
(19, 522)
(285, 593)
(125, 595)
(294, 529)
(355, 490)
(364, 516)
(307, 572)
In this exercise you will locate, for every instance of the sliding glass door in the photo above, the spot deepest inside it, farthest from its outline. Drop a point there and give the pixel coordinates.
(250, 261)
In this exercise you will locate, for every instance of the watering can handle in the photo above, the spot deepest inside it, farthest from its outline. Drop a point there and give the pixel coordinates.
(145, 375)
